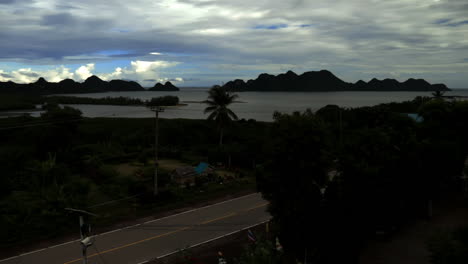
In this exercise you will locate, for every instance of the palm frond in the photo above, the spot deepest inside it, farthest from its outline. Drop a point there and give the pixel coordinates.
(213, 116)
(210, 109)
(233, 97)
(218, 101)
(232, 114)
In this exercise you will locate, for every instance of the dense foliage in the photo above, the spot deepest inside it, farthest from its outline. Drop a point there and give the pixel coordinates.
(16, 102)
(168, 100)
(21, 102)
(94, 101)
(449, 247)
(339, 176)
(63, 160)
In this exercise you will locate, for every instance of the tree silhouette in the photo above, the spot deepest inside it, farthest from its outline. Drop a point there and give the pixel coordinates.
(218, 101)
(438, 94)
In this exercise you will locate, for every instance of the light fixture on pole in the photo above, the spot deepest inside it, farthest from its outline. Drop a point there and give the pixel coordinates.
(85, 231)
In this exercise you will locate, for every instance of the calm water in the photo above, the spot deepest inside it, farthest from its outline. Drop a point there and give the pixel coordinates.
(256, 105)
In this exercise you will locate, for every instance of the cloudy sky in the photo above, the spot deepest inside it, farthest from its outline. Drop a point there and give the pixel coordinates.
(207, 42)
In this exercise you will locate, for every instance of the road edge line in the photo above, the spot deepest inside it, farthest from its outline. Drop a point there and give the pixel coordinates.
(208, 241)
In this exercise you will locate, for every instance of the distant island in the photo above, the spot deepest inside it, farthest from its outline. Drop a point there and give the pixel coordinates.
(168, 86)
(91, 85)
(324, 81)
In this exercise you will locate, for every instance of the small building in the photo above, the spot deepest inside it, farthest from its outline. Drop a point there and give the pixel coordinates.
(416, 117)
(186, 175)
(204, 169)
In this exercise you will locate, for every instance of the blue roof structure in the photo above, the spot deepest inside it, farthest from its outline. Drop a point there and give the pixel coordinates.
(415, 117)
(201, 167)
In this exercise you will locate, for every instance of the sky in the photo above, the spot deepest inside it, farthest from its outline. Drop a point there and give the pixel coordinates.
(208, 42)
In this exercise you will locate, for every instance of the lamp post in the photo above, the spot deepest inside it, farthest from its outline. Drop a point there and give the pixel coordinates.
(85, 231)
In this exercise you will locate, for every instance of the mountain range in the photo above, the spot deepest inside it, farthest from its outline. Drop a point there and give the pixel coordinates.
(91, 85)
(168, 86)
(323, 81)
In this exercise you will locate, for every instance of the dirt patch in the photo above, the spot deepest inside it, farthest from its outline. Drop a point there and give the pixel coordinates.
(226, 174)
(170, 164)
(127, 169)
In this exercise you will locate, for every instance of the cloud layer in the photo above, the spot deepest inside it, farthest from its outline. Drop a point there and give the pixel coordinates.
(207, 42)
(146, 72)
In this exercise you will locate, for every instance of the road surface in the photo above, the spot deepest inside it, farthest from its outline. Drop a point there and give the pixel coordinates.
(143, 242)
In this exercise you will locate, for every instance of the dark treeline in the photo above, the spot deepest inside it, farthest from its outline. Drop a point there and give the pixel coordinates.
(23, 102)
(93, 101)
(10, 102)
(168, 100)
(333, 177)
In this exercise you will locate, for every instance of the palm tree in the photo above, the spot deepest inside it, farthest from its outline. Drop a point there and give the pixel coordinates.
(218, 101)
(438, 94)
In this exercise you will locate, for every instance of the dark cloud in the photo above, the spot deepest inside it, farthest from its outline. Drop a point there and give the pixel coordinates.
(442, 21)
(49, 45)
(457, 24)
(128, 55)
(198, 3)
(149, 80)
(58, 19)
(6, 75)
(29, 74)
(274, 26)
(15, 2)
(65, 6)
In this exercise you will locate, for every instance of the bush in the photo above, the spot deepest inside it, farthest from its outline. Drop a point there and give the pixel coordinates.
(168, 100)
(449, 247)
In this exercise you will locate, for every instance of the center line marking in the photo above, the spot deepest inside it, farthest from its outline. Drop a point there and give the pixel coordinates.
(219, 218)
(130, 244)
(257, 206)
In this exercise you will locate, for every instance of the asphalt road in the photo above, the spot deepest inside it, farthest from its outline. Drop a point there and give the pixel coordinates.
(143, 242)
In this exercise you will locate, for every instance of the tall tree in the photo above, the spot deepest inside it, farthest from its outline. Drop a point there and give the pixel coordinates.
(292, 181)
(218, 101)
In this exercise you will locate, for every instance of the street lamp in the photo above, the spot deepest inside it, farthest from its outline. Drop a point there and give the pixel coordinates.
(85, 231)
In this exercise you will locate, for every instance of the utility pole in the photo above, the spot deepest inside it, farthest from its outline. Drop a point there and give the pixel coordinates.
(157, 110)
(341, 128)
(85, 232)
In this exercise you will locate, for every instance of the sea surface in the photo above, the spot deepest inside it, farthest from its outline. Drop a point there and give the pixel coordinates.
(253, 105)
